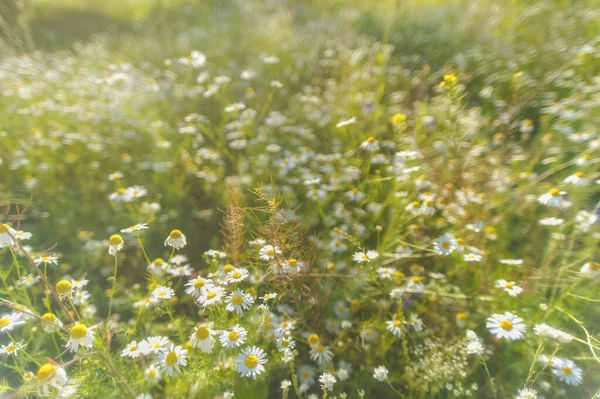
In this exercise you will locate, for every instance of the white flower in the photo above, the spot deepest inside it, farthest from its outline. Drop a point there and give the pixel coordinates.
(445, 244)
(5, 235)
(11, 348)
(552, 221)
(552, 198)
(238, 301)
(135, 227)
(203, 337)
(507, 326)
(50, 375)
(236, 275)
(153, 344)
(545, 331)
(268, 252)
(80, 335)
(132, 350)
(527, 393)
(157, 266)
(172, 358)
(591, 269)
(196, 285)
(380, 373)
(321, 354)
(249, 363)
(8, 321)
(371, 144)
(361, 257)
(472, 257)
(327, 381)
(568, 372)
(395, 327)
(576, 179)
(416, 322)
(211, 294)
(115, 244)
(233, 337)
(512, 262)
(47, 259)
(161, 293)
(176, 239)
(509, 287)
(152, 374)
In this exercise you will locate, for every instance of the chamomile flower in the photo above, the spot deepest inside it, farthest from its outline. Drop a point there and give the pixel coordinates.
(64, 288)
(415, 322)
(134, 192)
(180, 271)
(321, 354)
(11, 348)
(233, 337)
(176, 239)
(52, 322)
(268, 252)
(445, 244)
(591, 269)
(9, 321)
(368, 256)
(211, 295)
(327, 381)
(132, 350)
(250, 362)
(371, 145)
(380, 373)
(568, 372)
(115, 244)
(472, 257)
(507, 325)
(6, 235)
(553, 198)
(51, 376)
(236, 275)
(171, 359)
(28, 281)
(527, 393)
(395, 327)
(509, 287)
(162, 293)
(153, 344)
(152, 374)
(368, 334)
(135, 228)
(203, 337)
(196, 285)
(80, 335)
(577, 179)
(238, 301)
(157, 267)
(46, 259)
(285, 342)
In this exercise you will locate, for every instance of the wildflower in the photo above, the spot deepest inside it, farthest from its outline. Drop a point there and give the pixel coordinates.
(135, 227)
(552, 221)
(238, 301)
(64, 288)
(171, 359)
(28, 280)
(321, 354)
(203, 337)
(50, 318)
(161, 293)
(157, 266)
(576, 179)
(545, 331)
(399, 119)
(211, 295)
(474, 345)
(445, 244)
(507, 326)
(11, 348)
(250, 361)
(5, 235)
(361, 257)
(327, 381)
(380, 373)
(266, 297)
(176, 239)
(152, 374)
(591, 269)
(8, 321)
(395, 327)
(196, 285)
(180, 271)
(115, 244)
(80, 335)
(509, 287)
(472, 257)
(132, 350)
(153, 344)
(527, 393)
(50, 375)
(371, 144)
(47, 259)
(268, 252)
(285, 342)
(236, 275)
(415, 284)
(568, 372)
(416, 322)
(236, 336)
(134, 192)
(552, 198)
(368, 334)
(512, 262)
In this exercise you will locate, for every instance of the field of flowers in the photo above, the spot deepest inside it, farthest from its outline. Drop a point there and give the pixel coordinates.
(300, 199)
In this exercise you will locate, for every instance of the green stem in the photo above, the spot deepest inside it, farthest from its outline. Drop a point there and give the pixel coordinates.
(112, 291)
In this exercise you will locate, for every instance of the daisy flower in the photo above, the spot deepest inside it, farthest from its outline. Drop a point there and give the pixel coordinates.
(50, 375)
(371, 145)
(368, 334)
(171, 358)
(507, 326)
(132, 350)
(47, 259)
(135, 227)
(8, 321)
(472, 257)
(162, 292)
(115, 244)
(395, 327)
(236, 275)
(152, 374)
(576, 179)
(266, 297)
(52, 322)
(180, 271)
(80, 335)
(268, 252)
(553, 198)
(591, 269)
(327, 381)
(176, 239)
(157, 266)
(380, 373)
(203, 337)
(527, 393)
(238, 301)
(416, 322)
(250, 361)
(361, 257)
(64, 288)
(233, 337)
(321, 354)
(11, 348)
(28, 280)
(568, 372)
(196, 285)
(445, 244)
(5, 235)
(415, 284)
(509, 287)
(211, 295)
(23, 235)
(285, 342)
(153, 344)
(134, 192)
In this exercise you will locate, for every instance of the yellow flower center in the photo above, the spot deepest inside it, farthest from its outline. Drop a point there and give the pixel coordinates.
(202, 333)
(236, 274)
(567, 370)
(270, 252)
(49, 317)
(293, 262)
(46, 372)
(594, 266)
(508, 285)
(320, 349)
(175, 234)
(171, 358)
(313, 339)
(251, 361)
(371, 139)
(397, 323)
(4, 228)
(429, 203)
(115, 240)
(233, 335)
(365, 257)
(64, 287)
(579, 174)
(285, 344)
(11, 348)
(151, 373)
(199, 283)
(506, 324)
(416, 279)
(445, 245)
(211, 294)
(4, 321)
(227, 268)
(237, 300)
(133, 348)
(159, 261)
(461, 316)
(555, 192)
(78, 331)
